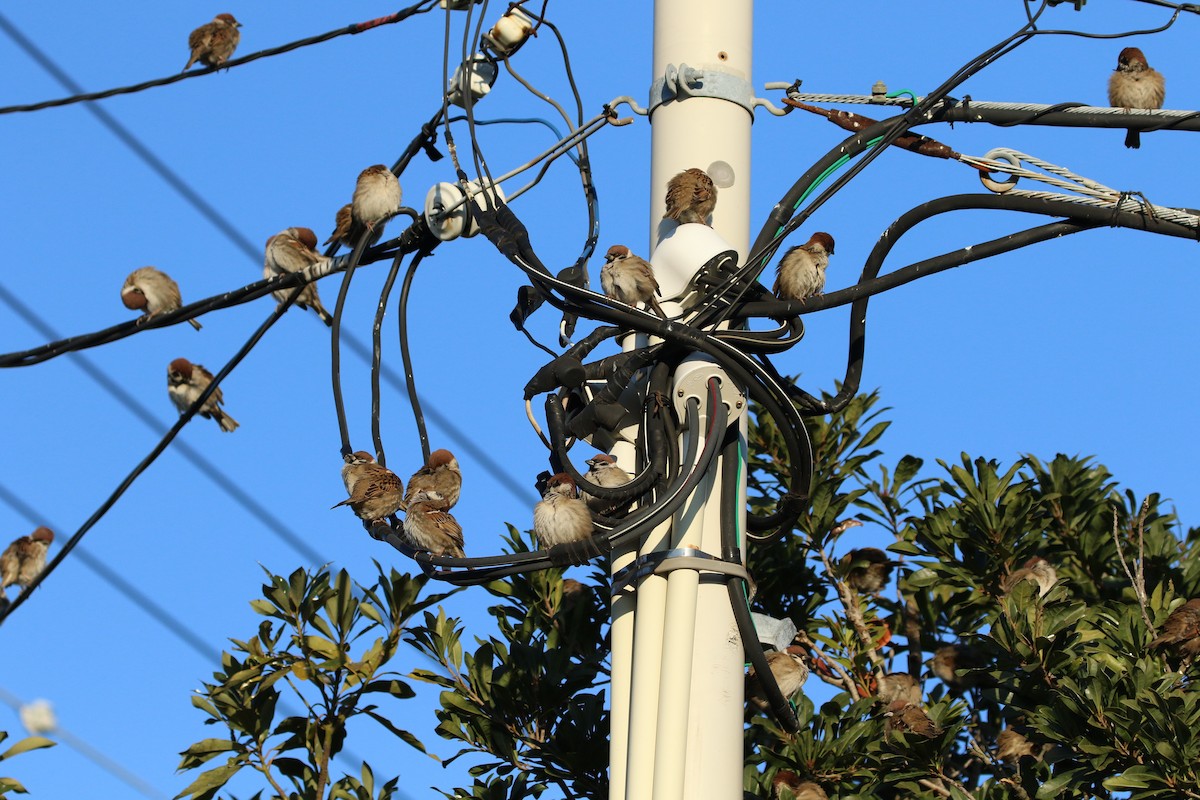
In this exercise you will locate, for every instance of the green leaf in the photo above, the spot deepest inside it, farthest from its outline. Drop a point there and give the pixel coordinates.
(208, 783)
(404, 735)
(27, 744)
(1138, 777)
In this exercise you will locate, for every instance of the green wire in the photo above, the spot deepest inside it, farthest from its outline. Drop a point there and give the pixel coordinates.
(841, 162)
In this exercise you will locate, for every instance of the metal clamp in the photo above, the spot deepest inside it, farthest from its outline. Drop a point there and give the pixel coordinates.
(664, 561)
(684, 81)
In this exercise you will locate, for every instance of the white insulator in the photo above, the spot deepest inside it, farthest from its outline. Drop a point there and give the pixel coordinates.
(476, 75)
(446, 210)
(511, 31)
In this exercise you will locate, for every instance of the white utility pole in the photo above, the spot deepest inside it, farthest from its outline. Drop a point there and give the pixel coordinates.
(677, 671)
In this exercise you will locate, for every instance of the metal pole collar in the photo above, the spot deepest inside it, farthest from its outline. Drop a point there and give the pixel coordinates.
(683, 82)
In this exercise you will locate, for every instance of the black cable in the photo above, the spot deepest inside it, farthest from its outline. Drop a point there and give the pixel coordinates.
(731, 467)
(335, 351)
(150, 420)
(406, 357)
(377, 359)
(462, 442)
(1081, 217)
(80, 96)
(184, 418)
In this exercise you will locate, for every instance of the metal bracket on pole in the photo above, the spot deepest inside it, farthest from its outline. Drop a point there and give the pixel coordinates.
(684, 81)
(662, 562)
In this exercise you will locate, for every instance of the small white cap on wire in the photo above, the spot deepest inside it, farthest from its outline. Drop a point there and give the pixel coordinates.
(446, 210)
(38, 717)
(475, 75)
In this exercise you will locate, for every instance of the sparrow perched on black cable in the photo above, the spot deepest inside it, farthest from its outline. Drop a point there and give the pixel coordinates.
(629, 279)
(801, 272)
(214, 42)
(24, 559)
(154, 292)
(1134, 84)
(186, 381)
(603, 471)
(440, 475)
(295, 250)
(560, 516)
(429, 525)
(375, 491)
(376, 197)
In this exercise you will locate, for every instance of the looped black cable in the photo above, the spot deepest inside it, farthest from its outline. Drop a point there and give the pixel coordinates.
(555, 422)
(335, 332)
(406, 357)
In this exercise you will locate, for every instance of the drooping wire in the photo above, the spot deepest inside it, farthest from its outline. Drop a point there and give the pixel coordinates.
(335, 350)
(406, 357)
(377, 359)
(80, 96)
(145, 463)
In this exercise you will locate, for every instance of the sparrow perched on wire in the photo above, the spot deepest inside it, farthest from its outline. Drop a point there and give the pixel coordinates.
(440, 475)
(629, 279)
(790, 673)
(868, 569)
(603, 471)
(214, 42)
(691, 197)
(1182, 630)
(898, 686)
(24, 559)
(295, 250)
(902, 716)
(1036, 570)
(350, 470)
(786, 785)
(376, 197)
(153, 292)
(185, 382)
(801, 272)
(1135, 84)
(560, 516)
(375, 491)
(429, 526)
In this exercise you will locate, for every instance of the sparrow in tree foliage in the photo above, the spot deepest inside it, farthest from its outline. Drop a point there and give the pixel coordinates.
(786, 785)
(1182, 630)
(868, 569)
(789, 670)
(1036, 570)
(902, 716)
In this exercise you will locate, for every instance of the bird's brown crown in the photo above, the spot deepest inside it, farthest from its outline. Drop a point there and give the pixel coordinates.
(1131, 55)
(616, 251)
(440, 458)
(306, 237)
(228, 19)
(374, 169)
(43, 534)
(181, 367)
(823, 239)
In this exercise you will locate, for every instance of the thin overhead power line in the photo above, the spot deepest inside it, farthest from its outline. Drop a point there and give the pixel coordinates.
(148, 418)
(140, 785)
(80, 96)
(462, 442)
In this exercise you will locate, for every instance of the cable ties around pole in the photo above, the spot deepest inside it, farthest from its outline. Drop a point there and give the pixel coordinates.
(664, 561)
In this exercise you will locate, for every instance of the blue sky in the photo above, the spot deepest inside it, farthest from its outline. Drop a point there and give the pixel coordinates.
(1080, 346)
